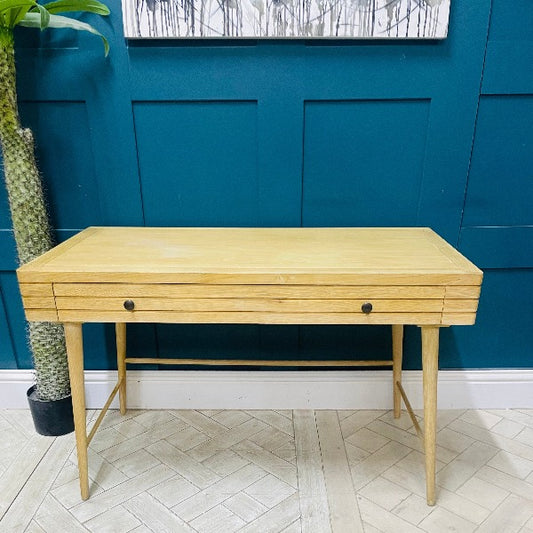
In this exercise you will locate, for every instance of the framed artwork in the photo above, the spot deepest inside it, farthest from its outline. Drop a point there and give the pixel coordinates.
(286, 19)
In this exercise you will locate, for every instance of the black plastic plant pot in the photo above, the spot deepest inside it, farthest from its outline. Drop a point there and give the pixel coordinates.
(51, 418)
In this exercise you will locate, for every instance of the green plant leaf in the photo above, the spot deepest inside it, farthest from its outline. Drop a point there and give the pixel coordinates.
(87, 6)
(45, 16)
(5, 5)
(12, 17)
(12, 11)
(32, 20)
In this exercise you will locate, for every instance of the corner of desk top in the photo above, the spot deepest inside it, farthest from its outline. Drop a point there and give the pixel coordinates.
(454, 254)
(24, 271)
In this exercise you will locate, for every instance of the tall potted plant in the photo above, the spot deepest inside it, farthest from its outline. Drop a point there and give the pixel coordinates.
(50, 396)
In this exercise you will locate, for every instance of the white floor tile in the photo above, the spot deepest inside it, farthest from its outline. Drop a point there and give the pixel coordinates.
(413, 509)
(483, 419)
(282, 422)
(367, 440)
(231, 419)
(529, 523)
(142, 529)
(181, 463)
(245, 507)
(453, 440)
(34, 527)
(509, 517)
(275, 519)
(69, 493)
(385, 493)
(462, 507)
(53, 517)
(187, 438)
(507, 428)
(465, 465)
(218, 492)
(483, 493)
(130, 428)
(505, 481)
(225, 462)
(525, 436)
(295, 527)
(107, 500)
(270, 472)
(136, 463)
(174, 491)
(150, 419)
(383, 520)
(343, 509)
(117, 520)
(354, 454)
(14, 477)
(269, 490)
(370, 529)
(377, 463)
(218, 519)
(441, 520)
(269, 461)
(155, 515)
(512, 464)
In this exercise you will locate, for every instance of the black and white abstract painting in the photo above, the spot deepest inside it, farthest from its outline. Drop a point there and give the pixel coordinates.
(304, 19)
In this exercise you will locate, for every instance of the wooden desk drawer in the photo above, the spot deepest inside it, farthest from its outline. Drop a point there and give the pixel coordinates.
(190, 290)
(39, 302)
(460, 305)
(271, 305)
(262, 304)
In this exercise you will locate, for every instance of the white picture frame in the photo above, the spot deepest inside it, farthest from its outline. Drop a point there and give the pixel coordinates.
(286, 19)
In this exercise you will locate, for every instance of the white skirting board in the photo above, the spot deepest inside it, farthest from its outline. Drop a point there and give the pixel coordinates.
(170, 389)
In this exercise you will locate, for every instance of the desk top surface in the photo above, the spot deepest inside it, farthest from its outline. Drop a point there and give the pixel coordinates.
(264, 255)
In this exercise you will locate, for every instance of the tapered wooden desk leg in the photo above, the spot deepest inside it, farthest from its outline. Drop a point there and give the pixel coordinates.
(120, 332)
(74, 340)
(397, 357)
(430, 366)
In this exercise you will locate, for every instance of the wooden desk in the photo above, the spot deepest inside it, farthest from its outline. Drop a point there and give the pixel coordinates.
(391, 276)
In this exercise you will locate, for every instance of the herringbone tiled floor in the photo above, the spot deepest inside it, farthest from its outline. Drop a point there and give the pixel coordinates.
(270, 471)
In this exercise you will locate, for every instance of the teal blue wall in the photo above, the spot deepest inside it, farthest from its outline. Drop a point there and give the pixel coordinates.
(312, 133)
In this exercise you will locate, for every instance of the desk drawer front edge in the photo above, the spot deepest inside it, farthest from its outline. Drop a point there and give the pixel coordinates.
(298, 304)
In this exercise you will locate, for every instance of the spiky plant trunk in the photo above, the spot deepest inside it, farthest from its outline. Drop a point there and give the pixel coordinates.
(30, 222)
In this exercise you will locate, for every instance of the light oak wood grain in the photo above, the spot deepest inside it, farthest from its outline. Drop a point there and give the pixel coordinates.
(430, 357)
(403, 256)
(39, 302)
(420, 276)
(41, 315)
(120, 333)
(458, 319)
(298, 292)
(253, 276)
(237, 317)
(463, 291)
(251, 304)
(74, 341)
(397, 359)
(254, 362)
(36, 289)
(460, 306)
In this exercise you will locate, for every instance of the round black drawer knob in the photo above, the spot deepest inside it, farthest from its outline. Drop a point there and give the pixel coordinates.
(366, 308)
(129, 305)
